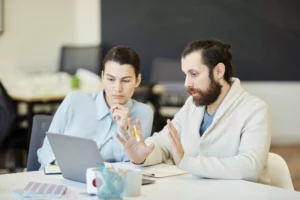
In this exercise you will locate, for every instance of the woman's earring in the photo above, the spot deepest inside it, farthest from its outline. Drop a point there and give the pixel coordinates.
(102, 75)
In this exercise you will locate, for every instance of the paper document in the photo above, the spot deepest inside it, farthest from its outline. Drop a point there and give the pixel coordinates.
(52, 169)
(162, 170)
(36, 190)
(41, 189)
(156, 171)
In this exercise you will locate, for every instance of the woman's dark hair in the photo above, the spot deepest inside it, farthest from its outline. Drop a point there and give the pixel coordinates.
(123, 55)
(213, 52)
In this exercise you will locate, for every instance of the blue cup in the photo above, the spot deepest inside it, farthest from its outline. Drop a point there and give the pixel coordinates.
(110, 184)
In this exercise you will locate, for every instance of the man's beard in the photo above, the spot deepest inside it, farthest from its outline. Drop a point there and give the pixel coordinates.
(206, 97)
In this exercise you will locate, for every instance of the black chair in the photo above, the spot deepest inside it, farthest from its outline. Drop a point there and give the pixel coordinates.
(143, 93)
(8, 114)
(75, 57)
(12, 136)
(167, 72)
(40, 126)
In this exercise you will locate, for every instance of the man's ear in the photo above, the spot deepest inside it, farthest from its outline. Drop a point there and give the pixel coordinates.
(219, 71)
(138, 80)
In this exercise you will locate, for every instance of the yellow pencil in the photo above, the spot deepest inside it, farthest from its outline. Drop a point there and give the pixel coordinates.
(137, 136)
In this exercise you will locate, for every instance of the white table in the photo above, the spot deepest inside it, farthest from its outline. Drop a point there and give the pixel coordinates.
(177, 187)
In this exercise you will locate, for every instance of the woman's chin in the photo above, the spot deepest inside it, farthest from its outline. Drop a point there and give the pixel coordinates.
(118, 101)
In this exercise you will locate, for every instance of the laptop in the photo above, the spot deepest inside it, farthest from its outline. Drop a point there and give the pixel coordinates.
(75, 155)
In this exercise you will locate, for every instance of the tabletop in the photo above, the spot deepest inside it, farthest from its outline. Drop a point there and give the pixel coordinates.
(176, 187)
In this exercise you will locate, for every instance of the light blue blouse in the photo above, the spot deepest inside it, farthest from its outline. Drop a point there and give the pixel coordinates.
(87, 115)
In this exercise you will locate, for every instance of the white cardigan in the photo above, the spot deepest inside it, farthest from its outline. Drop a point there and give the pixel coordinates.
(234, 146)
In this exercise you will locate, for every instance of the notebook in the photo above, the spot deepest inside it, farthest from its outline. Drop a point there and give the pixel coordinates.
(37, 190)
(162, 170)
(155, 171)
(52, 169)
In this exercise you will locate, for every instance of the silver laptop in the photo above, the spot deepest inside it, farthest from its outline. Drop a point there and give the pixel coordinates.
(75, 154)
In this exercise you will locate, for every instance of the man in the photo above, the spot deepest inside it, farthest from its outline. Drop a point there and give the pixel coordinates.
(221, 132)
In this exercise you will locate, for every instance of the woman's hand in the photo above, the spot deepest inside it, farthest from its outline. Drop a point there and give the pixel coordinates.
(120, 113)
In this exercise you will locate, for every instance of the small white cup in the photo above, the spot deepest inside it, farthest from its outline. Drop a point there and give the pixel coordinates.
(133, 183)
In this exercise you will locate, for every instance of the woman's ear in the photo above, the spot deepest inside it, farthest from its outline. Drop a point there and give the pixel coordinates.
(138, 80)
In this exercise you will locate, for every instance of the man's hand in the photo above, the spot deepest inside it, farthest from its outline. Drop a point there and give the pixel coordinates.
(137, 151)
(120, 114)
(177, 150)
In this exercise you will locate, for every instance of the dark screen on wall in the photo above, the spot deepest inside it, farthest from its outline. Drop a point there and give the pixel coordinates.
(264, 34)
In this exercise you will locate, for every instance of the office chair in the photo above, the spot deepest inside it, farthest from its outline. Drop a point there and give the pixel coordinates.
(279, 172)
(167, 72)
(75, 57)
(143, 93)
(12, 135)
(8, 114)
(41, 124)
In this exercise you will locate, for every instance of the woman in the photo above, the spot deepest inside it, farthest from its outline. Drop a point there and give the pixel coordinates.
(99, 116)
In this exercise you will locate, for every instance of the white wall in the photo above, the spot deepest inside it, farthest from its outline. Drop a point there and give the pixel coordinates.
(36, 29)
(87, 16)
(284, 101)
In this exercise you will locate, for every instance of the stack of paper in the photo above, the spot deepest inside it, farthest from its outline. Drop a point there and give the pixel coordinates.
(35, 190)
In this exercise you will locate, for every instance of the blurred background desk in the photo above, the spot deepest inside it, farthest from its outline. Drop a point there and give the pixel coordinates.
(48, 90)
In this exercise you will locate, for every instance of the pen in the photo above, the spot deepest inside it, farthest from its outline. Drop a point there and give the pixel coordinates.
(137, 136)
(148, 174)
